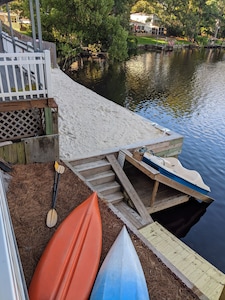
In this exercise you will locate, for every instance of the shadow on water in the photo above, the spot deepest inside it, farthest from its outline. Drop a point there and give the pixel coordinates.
(180, 219)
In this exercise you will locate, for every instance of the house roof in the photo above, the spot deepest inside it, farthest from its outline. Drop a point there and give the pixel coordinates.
(4, 1)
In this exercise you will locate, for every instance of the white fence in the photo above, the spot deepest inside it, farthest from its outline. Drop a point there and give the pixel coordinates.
(24, 74)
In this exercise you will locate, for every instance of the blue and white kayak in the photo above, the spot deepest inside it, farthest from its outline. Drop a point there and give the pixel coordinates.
(172, 168)
(121, 275)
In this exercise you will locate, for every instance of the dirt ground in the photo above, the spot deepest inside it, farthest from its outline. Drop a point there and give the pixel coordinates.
(30, 195)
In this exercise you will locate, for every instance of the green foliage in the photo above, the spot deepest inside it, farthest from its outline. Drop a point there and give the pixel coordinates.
(73, 24)
(187, 18)
(132, 43)
(143, 6)
(76, 23)
(117, 41)
(202, 40)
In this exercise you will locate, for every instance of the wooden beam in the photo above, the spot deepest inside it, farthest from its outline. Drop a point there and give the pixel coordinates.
(48, 121)
(154, 192)
(27, 104)
(131, 215)
(222, 296)
(13, 153)
(167, 203)
(146, 169)
(182, 188)
(129, 188)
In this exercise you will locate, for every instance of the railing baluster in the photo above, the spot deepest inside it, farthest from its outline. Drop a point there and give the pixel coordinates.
(15, 78)
(1, 88)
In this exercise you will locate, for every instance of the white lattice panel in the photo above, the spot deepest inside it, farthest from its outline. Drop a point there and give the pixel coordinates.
(20, 124)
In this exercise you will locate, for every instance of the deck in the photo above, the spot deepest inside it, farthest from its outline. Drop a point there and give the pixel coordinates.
(208, 281)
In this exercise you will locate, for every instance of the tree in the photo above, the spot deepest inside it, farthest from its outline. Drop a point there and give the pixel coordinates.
(190, 17)
(143, 6)
(80, 23)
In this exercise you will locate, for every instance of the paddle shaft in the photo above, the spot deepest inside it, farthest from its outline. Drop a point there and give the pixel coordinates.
(59, 170)
(55, 191)
(54, 188)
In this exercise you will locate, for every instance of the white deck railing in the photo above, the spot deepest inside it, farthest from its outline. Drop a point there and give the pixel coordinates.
(24, 74)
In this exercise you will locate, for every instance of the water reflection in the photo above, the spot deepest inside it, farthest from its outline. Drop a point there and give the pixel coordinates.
(185, 92)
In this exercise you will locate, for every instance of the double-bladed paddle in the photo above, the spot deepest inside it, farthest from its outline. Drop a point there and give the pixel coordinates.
(52, 214)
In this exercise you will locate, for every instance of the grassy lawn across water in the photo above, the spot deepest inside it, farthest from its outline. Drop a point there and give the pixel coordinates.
(147, 40)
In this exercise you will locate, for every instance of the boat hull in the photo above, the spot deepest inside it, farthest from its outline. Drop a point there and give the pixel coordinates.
(175, 177)
(121, 275)
(69, 264)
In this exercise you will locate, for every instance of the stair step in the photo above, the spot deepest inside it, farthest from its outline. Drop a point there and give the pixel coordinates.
(108, 188)
(114, 198)
(86, 160)
(91, 168)
(101, 178)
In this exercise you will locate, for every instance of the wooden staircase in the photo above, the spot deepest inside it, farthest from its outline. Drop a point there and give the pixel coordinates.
(99, 176)
(104, 175)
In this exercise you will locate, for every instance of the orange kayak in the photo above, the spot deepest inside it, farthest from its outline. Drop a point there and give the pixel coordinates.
(69, 264)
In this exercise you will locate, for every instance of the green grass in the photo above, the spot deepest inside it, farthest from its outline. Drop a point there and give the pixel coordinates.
(147, 40)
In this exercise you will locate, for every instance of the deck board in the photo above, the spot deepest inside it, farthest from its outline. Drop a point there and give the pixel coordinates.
(204, 276)
(129, 188)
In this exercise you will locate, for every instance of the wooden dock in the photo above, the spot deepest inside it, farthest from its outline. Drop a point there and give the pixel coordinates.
(133, 196)
(207, 280)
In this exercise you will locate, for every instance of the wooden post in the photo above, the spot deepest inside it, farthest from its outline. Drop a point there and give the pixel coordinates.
(47, 67)
(48, 121)
(154, 192)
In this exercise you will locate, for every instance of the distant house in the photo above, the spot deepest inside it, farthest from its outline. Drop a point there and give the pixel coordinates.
(4, 17)
(143, 23)
(17, 22)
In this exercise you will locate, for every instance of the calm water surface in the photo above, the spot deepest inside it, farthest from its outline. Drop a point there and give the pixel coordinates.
(185, 92)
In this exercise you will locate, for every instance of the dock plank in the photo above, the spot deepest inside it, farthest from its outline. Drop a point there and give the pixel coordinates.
(130, 214)
(204, 276)
(129, 188)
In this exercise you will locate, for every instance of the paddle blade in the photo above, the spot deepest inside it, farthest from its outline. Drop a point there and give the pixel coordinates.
(60, 169)
(52, 218)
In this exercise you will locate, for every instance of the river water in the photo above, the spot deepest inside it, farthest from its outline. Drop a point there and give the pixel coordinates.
(184, 91)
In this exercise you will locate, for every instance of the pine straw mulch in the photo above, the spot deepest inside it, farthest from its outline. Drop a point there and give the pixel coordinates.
(30, 195)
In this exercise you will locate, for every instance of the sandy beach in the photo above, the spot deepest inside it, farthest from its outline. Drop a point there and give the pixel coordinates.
(89, 123)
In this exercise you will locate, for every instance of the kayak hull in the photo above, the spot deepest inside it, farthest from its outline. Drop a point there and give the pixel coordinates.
(121, 275)
(69, 264)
